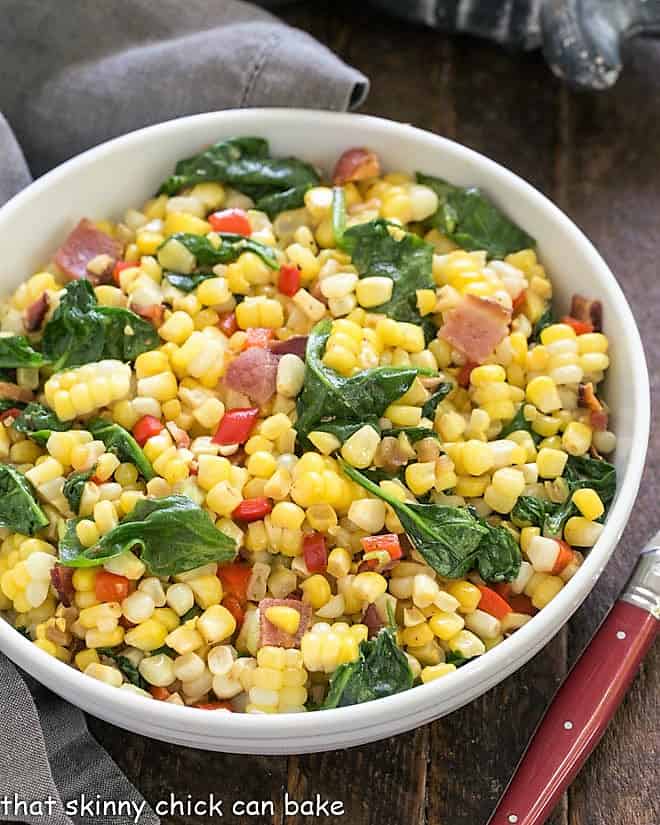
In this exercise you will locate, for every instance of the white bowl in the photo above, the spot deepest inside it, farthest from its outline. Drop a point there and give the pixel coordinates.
(124, 172)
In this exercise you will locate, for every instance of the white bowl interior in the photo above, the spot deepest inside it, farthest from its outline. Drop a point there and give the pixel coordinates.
(123, 173)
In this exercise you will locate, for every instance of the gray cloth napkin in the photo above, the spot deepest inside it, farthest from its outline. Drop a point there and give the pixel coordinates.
(73, 74)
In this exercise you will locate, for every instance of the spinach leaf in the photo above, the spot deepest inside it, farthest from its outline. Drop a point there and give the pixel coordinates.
(430, 406)
(546, 320)
(173, 533)
(343, 430)
(10, 404)
(413, 433)
(19, 510)
(231, 246)
(81, 331)
(16, 351)
(453, 657)
(276, 202)
(329, 398)
(447, 537)
(471, 220)
(195, 610)
(74, 486)
(519, 422)
(245, 163)
(186, 283)
(38, 422)
(407, 262)
(128, 669)
(498, 555)
(381, 669)
(530, 511)
(338, 214)
(600, 475)
(167, 651)
(119, 441)
(126, 334)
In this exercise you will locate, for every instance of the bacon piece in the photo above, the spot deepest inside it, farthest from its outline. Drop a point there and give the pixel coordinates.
(84, 244)
(295, 345)
(181, 437)
(253, 372)
(590, 312)
(150, 312)
(356, 164)
(62, 580)
(476, 326)
(15, 393)
(598, 413)
(34, 315)
(373, 621)
(269, 634)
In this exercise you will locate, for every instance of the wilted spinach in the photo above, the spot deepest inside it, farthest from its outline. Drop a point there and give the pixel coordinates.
(19, 510)
(173, 534)
(16, 351)
(38, 422)
(452, 540)
(519, 422)
(128, 669)
(231, 246)
(74, 486)
(471, 220)
(82, 332)
(381, 669)
(186, 283)
(545, 320)
(119, 441)
(328, 399)
(408, 262)
(430, 406)
(275, 184)
(10, 404)
(581, 471)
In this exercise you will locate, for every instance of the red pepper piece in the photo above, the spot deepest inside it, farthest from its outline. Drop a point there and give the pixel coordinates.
(231, 220)
(12, 412)
(288, 282)
(145, 428)
(315, 552)
(236, 425)
(118, 269)
(580, 327)
(253, 509)
(227, 323)
(387, 541)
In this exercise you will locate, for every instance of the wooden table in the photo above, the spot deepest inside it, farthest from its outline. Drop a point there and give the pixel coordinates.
(597, 156)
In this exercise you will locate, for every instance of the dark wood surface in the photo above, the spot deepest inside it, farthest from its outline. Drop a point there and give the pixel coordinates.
(597, 156)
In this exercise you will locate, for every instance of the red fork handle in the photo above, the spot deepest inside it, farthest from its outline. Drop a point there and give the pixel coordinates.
(578, 716)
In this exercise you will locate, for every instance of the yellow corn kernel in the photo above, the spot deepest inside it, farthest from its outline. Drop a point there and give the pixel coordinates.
(85, 658)
(417, 636)
(404, 415)
(147, 242)
(432, 672)
(580, 532)
(369, 586)
(359, 450)
(104, 638)
(84, 580)
(551, 462)
(184, 222)
(147, 636)
(213, 292)
(325, 443)
(420, 477)
(467, 594)
(286, 618)
(542, 392)
(261, 464)
(588, 503)
(546, 590)
(446, 625)
(576, 438)
(207, 590)
(216, 624)
(339, 562)
(287, 515)
(316, 590)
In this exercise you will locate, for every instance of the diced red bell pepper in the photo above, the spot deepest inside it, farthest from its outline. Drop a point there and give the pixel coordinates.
(145, 428)
(233, 605)
(564, 557)
(492, 603)
(464, 373)
(118, 269)
(288, 282)
(160, 693)
(227, 323)
(236, 425)
(213, 705)
(258, 337)
(519, 300)
(522, 604)
(235, 578)
(12, 412)
(231, 220)
(110, 587)
(387, 541)
(252, 509)
(580, 327)
(315, 552)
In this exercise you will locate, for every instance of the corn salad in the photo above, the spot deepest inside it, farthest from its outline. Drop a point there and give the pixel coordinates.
(287, 377)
